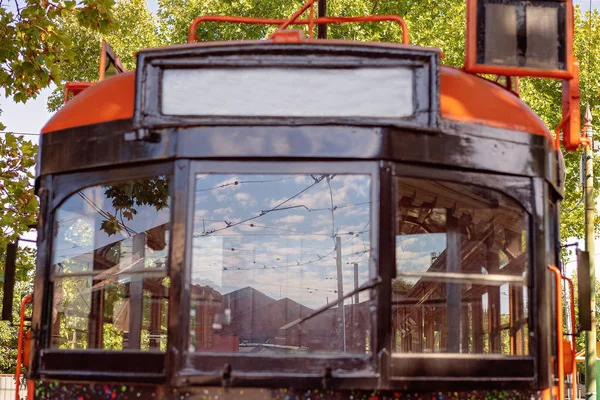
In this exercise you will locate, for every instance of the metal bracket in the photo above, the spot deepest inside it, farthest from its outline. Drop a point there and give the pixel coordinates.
(142, 134)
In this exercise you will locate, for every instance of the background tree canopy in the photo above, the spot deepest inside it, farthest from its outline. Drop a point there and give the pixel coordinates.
(33, 48)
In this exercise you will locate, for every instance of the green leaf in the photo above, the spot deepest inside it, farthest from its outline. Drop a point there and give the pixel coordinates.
(110, 226)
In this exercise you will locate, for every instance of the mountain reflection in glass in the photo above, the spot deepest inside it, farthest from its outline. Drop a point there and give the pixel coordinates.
(264, 256)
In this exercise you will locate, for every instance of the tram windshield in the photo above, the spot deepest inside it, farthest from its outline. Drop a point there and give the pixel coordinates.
(269, 250)
(462, 267)
(275, 262)
(109, 274)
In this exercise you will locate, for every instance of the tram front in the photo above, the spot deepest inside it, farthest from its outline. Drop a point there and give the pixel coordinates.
(296, 220)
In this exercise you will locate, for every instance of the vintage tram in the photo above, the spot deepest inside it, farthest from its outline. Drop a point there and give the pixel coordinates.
(299, 218)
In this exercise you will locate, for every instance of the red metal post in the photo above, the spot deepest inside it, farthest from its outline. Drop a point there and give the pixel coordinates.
(559, 330)
(24, 303)
(192, 37)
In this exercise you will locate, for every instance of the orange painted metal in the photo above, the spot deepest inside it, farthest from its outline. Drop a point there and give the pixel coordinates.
(573, 331)
(102, 66)
(546, 394)
(559, 330)
(297, 14)
(108, 100)
(471, 99)
(26, 300)
(568, 357)
(106, 52)
(571, 112)
(550, 393)
(75, 88)
(27, 348)
(288, 36)
(471, 65)
(311, 22)
(192, 37)
(463, 98)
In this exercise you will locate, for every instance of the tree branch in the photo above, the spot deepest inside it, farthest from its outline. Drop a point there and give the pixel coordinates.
(18, 8)
(375, 5)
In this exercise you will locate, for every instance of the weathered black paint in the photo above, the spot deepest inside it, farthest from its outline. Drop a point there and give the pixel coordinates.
(150, 64)
(463, 146)
(519, 164)
(378, 370)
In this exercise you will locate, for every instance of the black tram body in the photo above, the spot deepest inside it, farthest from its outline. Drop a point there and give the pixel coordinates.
(510, 169)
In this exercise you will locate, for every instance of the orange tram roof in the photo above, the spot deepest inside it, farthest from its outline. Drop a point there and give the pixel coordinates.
(463, 97)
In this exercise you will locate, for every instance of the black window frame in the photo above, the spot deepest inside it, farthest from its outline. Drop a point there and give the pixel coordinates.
(90, 364)
(151, 64)
(417, 371)
(207, 368)
(382, 370)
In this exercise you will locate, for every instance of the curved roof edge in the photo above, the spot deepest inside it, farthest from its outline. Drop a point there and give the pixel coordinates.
(472, 99)
(463, 98)
(108, 100)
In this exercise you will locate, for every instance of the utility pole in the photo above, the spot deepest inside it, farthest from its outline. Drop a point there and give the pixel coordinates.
(355, 283)
(340, 290)
(588, 191)
(322, 13)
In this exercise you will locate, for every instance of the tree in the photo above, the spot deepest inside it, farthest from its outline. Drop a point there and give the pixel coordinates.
(32, 47)
(133, 28)
(17, 213)
(19, 205)
(33, 43)
(9, 332)
(440, 24)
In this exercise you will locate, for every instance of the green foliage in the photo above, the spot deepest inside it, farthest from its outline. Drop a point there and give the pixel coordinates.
(133, 28)
(24, 285)
(32, 48)
(19, 206)
(18, 212)
(431, 23)
(33, 43)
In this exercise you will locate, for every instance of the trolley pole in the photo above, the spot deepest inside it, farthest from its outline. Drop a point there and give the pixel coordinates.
(588, 189)
(340, 290)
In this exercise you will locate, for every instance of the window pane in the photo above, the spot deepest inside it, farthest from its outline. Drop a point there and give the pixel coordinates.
(109, 267)
(461, 263)
(501, 34)
(543, 40)
(269, 250)
(519, 33)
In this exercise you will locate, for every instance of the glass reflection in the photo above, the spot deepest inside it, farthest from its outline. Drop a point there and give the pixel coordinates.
(109, 262)
(265, 255)
(461, 262)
